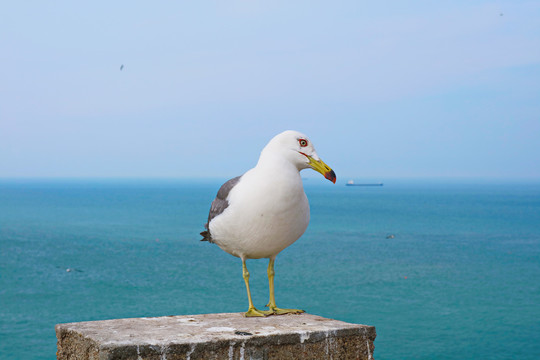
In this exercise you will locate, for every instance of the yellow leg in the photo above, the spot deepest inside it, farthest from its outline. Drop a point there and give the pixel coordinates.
(272, 303)
(251, 311)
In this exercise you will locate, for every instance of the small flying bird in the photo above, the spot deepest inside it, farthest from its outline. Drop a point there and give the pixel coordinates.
(260, 213)
(121, 67)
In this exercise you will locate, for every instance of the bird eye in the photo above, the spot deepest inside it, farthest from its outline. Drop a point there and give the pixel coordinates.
(303, 142)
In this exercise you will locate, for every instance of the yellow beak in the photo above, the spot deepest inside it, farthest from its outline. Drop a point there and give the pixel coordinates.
(320, 166)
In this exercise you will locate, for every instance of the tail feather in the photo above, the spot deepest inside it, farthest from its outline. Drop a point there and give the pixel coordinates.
(206, 236)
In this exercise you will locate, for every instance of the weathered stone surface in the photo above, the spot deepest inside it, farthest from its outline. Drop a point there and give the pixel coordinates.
(216, 336)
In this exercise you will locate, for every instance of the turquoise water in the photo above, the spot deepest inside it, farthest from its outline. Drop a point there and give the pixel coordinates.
(460, 280)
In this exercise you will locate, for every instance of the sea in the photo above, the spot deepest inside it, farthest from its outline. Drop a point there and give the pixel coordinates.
(443, 268)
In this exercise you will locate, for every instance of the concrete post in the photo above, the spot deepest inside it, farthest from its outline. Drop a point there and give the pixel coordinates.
(215, 336)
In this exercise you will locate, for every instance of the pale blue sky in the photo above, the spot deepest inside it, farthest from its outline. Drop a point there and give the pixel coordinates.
(384, 89)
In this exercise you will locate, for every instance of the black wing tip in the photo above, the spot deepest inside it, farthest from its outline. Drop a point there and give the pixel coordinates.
(206, 236)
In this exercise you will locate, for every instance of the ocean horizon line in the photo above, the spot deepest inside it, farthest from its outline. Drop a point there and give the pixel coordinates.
(368, 178)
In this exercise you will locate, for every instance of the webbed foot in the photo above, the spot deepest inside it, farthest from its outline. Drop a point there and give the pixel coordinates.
(277, 311)
(252, 312)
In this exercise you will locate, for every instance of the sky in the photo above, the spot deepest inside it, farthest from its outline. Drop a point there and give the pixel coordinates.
(386, 89)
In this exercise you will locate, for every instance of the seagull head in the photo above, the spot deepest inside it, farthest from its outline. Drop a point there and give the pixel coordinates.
(298, 149)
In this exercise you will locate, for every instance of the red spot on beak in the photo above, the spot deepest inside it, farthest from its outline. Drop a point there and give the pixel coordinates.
(330, 175)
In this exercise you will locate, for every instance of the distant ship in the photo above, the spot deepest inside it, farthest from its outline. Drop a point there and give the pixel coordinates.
(352, 183)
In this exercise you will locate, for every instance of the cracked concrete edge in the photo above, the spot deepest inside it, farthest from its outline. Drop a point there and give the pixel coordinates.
(352, 342)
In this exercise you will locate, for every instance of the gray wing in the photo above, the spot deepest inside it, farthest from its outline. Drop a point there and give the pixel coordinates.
(219, 205)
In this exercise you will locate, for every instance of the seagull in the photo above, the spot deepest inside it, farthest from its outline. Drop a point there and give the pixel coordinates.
(260, 213)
